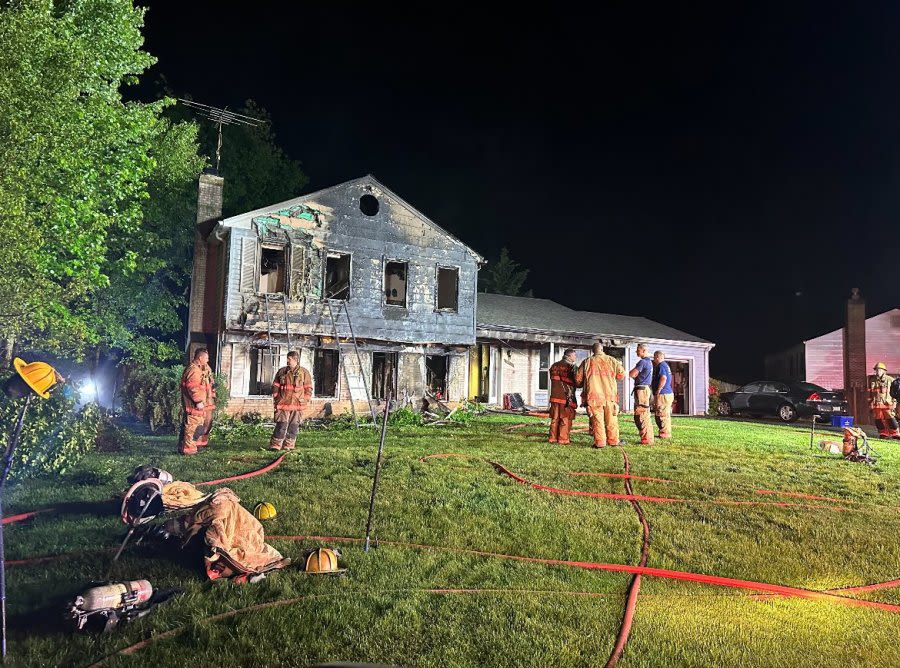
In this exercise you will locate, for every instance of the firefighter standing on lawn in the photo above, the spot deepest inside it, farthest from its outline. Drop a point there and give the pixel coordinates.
(642, 373)
(562, 398)
(198, 402)
(598, 375)
(291, 392)
(882, 404)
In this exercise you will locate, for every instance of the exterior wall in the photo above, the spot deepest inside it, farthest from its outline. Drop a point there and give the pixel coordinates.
(825, 360)
(825, 354)
(235, 366)
(397, 232)
(520, 362)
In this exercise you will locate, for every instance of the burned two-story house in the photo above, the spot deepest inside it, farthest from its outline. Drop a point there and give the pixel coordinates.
(375, 297)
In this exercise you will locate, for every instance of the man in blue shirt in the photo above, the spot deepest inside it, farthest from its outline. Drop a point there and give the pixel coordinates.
(642, 373)
(663, 394)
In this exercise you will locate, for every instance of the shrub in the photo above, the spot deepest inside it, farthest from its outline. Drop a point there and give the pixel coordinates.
(713, 390)
(153, 395)
(55, 435)
(231, 430)
(405, 417)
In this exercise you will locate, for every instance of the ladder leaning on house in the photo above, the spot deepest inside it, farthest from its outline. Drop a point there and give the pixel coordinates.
(353, 380)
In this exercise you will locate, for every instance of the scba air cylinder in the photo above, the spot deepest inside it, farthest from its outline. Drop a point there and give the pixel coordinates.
(114, 596)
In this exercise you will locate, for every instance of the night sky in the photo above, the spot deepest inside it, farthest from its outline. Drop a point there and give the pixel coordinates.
(729, 172)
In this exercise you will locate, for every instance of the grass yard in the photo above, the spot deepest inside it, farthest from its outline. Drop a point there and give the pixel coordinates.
(387, 609)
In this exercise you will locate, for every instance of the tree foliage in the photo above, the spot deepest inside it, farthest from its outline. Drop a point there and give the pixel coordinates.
(84, 236)
(504, 277)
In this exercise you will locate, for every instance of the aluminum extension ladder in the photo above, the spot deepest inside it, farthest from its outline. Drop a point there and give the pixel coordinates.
(335, 319)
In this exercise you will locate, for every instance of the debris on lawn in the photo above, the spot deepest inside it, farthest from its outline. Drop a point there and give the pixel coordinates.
(855, 447)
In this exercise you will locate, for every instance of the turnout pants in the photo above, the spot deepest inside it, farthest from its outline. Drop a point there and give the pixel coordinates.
(195, 430)
(561, 417)
(287, 424)
(642, 418)
(885, 421)
(664, 414)
(604, 423)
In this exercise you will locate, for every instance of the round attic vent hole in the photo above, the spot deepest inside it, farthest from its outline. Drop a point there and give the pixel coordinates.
(368, 204)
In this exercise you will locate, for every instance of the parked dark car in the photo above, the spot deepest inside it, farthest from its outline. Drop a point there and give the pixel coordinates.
(786, 401)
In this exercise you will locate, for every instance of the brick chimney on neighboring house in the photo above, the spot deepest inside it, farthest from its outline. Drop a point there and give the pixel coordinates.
(203, 303)
(855, 371)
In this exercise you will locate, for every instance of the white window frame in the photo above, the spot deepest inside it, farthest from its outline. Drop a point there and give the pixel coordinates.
(384, 263)
(286, 249)
(250, 380)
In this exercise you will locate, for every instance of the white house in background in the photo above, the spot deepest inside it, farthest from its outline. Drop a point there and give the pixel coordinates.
(518, 338)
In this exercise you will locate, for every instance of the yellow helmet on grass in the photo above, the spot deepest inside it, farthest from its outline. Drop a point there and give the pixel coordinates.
(264, 511)
(323, 560)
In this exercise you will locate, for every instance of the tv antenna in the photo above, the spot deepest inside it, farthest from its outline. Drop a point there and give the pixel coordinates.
(221, 117)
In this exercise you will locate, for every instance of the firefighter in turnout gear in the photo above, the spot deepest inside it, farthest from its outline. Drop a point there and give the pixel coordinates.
(291, 392)
(198, 401)
(642, 373)
(882, 404)
(562, 398)
(598, 375)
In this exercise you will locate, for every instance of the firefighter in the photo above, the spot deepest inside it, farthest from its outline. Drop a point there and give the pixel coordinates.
(663, 396)
(598, 375)
(642, 373)
(291, 391)
(882, 404)
(562, 398)
(198, 395)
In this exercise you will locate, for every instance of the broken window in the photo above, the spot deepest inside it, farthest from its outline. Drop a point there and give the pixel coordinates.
(272, 263)
(395, 283)
(337, 276)
(263, 363)
(448, 288)
(325, 372)
(436, 373)
(384, 375)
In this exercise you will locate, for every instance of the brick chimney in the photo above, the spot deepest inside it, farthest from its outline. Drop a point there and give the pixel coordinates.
(202, 308)
(855, 371)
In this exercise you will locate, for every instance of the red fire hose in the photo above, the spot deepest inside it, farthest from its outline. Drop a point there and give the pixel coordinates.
(668, 574)
(265, 469)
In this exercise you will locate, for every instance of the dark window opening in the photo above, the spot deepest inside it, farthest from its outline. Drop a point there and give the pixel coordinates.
(325, 372)
(262, 370)
(368, 204)
(337, 276)
(395, 283)
(384, 375)
(271, 270)
(448, 288)
(436, 373)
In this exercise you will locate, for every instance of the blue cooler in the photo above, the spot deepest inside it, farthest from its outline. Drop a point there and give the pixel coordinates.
(841, 420)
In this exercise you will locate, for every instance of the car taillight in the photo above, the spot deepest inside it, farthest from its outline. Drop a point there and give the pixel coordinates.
(814, 397)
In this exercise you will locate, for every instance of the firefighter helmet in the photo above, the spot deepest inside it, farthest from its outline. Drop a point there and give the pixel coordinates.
(880, 365)
(39, 376)
(142, 502)
(323, 560)
(264, 511)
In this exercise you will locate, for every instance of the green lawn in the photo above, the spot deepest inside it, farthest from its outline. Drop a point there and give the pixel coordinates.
(523, 614)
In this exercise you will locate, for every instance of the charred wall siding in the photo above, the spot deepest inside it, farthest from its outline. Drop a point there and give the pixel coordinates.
(395, 233)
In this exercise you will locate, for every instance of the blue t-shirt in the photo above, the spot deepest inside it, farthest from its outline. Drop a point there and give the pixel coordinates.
(662, 369)
(645, 371)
